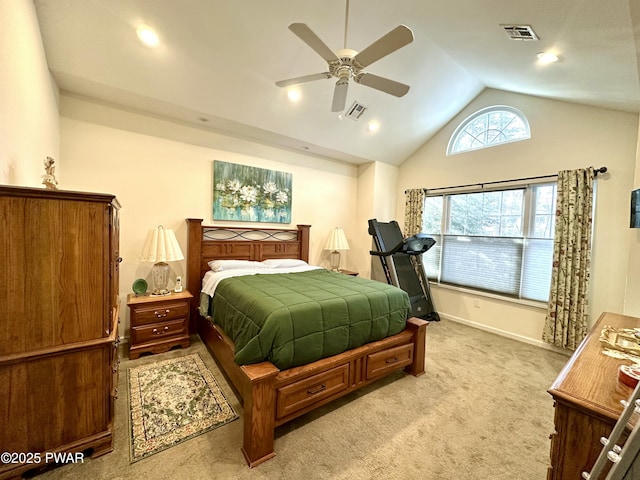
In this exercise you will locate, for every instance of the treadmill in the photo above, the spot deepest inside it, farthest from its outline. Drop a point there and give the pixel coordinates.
(402, 263)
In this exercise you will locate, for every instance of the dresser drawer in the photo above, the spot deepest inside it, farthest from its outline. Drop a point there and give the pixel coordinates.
(299, 395)
(383, 362)
(142, 315)
(158, 332)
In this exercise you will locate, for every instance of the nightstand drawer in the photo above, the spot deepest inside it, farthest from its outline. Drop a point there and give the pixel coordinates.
(161, 312)
(158, 332)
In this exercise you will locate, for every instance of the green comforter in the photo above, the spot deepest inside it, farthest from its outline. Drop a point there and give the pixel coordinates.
(292, 319)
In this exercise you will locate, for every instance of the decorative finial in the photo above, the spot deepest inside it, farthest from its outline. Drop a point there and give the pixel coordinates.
(49, 179)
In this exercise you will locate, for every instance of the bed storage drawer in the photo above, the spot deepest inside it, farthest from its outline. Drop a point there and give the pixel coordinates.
(299, 395)
(381, 363)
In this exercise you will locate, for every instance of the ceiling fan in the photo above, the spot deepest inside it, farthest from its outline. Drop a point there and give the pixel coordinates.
(348, 64)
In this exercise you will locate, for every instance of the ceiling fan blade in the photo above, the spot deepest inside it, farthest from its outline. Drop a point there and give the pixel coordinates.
(307, 36)
(340, 95)
(391, 87)
(392, 41)
(303, 79)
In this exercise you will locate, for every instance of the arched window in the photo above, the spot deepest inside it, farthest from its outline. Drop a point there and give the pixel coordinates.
(488, 127)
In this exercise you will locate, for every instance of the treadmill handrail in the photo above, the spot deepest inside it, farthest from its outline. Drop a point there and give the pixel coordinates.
(396, 249)
(387, 254)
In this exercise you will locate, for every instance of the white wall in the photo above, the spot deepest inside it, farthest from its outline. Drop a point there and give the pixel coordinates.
(563, 136)
(28, 106)
(161, 182)
(376, 199)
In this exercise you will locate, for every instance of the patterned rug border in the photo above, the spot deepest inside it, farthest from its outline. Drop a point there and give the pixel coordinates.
(161, 446)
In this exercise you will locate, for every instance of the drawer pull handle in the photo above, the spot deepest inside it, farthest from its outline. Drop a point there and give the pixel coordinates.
(161, 314)
(160, 332)
(391, 360)
(317, 390)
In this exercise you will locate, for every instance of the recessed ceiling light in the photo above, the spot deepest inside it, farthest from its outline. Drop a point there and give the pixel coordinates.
(547, 57)
(373, 126)
(294, 94)
(148, 36)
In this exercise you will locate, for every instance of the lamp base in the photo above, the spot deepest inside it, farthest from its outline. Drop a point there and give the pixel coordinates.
(335, 261)
(160, 276)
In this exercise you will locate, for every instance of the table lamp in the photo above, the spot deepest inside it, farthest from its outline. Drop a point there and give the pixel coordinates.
(337, 241)
(161, 247)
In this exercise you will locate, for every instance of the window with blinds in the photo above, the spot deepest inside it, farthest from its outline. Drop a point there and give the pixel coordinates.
(498, 241)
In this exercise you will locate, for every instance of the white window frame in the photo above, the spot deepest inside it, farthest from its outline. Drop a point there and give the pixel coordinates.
(461, 129)
(527, 236)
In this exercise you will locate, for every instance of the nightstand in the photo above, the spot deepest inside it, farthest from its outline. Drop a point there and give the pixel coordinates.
(349, 272)
(158, 323)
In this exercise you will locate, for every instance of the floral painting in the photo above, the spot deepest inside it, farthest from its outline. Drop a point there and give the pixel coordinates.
(250, 194)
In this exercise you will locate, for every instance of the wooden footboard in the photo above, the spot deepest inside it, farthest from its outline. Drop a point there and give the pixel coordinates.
(272, 397)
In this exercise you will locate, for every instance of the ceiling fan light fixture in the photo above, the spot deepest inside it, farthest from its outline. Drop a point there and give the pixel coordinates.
(344, 73)
(148, 36)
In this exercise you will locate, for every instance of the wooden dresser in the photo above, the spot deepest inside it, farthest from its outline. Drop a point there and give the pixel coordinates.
(59, 312)
(587, 396)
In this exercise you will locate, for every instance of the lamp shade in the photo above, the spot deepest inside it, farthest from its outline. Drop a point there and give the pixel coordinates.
(337, 240)
(161, 246)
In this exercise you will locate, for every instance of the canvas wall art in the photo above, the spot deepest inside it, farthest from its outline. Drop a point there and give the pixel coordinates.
(250, 194)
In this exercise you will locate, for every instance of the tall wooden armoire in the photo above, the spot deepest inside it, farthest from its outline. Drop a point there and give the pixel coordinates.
(59, 311)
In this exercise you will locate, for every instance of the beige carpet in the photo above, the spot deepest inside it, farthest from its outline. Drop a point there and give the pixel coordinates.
(480, 412)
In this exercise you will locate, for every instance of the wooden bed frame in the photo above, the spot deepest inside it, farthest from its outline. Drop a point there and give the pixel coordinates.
(272, 397)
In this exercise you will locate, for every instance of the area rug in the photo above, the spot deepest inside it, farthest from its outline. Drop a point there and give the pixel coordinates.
(172, 401)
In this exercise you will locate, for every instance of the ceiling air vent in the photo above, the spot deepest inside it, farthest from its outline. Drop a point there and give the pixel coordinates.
(355, 111)
(520, 32)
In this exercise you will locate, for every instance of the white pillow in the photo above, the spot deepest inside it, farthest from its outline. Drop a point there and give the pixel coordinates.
(222, 265)
(283, 263)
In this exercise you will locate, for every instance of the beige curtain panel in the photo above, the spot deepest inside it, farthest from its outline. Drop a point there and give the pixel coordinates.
(414, 206)
(567, 319)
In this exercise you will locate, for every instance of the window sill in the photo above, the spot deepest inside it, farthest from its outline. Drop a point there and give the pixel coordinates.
(502, 298)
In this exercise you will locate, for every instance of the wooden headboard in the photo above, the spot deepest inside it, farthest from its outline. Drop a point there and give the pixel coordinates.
(206, 243)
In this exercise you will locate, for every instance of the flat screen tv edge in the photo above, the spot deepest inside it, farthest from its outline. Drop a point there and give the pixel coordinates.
(635, 209)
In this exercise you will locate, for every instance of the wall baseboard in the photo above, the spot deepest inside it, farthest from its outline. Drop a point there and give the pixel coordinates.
(503, 333)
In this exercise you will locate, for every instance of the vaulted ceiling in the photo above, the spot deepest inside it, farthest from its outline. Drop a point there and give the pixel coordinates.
(218, 61)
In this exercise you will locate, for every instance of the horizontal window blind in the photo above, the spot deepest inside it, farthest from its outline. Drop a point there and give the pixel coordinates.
(486, 263)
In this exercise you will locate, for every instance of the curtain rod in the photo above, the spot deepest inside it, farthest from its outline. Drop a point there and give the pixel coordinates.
(596, 172)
